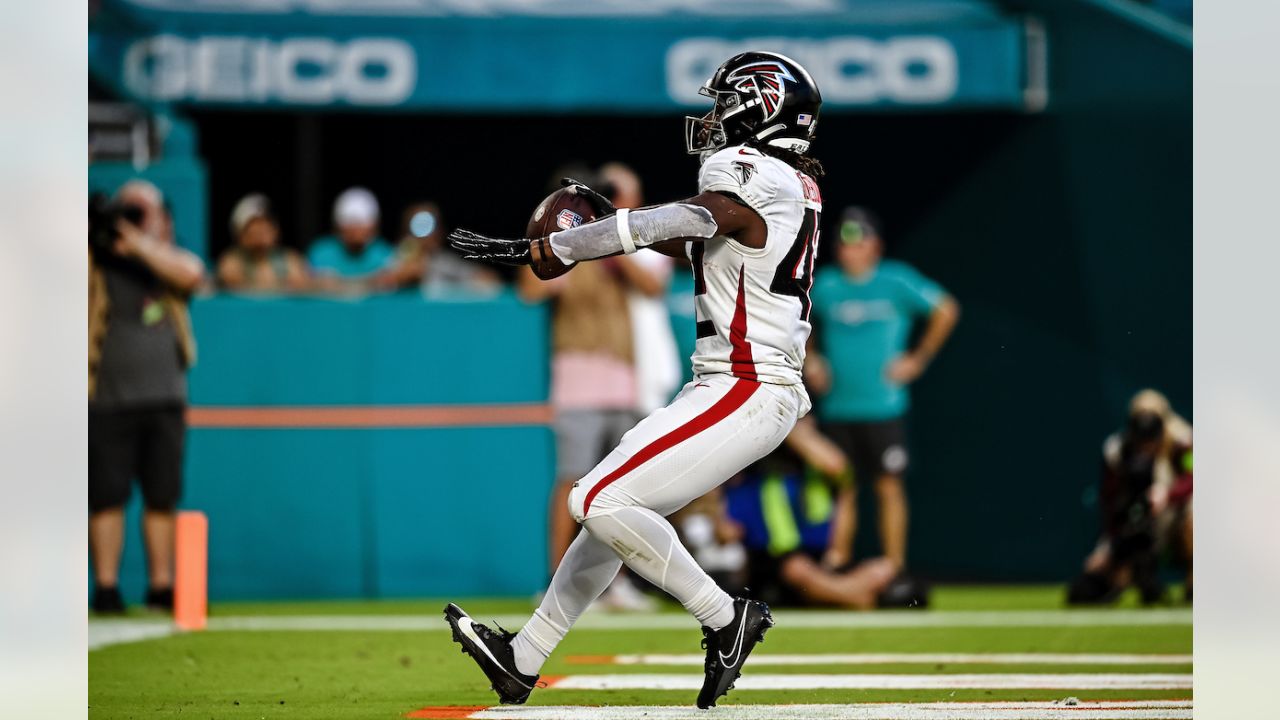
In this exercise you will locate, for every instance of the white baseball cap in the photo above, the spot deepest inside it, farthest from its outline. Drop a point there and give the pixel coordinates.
(250, 208)
(355, 206)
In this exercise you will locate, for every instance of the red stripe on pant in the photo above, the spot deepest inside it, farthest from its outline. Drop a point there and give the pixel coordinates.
(724, 407)
(744, 365)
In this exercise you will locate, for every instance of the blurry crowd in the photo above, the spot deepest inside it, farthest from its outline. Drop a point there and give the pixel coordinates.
(353, 259)
(784, 527)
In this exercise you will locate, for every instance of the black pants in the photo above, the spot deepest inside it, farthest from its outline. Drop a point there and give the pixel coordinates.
(875, 448)
(144, 444)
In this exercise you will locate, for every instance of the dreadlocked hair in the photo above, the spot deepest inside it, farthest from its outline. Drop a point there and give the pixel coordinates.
(805, 164)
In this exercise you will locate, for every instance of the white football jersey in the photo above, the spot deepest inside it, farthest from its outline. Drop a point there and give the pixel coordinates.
(752, 305)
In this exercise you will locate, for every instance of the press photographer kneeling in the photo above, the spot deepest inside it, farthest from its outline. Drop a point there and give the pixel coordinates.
(1145, 499)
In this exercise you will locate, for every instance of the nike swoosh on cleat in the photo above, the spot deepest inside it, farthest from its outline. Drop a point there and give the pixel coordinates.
(464, 624)
(737, 645)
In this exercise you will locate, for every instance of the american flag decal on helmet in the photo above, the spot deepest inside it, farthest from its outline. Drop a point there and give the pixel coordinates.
(766, 80)
(804, 119)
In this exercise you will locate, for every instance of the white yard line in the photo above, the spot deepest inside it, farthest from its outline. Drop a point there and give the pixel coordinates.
(759, 659)
(681, 621)
(103, 633)
(1142, 710)
(995, 681)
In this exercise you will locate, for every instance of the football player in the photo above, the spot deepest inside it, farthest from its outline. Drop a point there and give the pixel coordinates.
(752, 236)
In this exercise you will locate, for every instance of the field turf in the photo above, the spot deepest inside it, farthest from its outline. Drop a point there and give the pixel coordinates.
(388, 659)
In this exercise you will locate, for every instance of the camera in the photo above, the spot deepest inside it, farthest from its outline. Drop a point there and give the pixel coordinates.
(104, 213)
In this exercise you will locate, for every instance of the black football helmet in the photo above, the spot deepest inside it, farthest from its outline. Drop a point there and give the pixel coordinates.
(760, 98)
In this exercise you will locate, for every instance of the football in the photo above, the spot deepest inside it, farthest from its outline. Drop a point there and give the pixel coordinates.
(560, 210)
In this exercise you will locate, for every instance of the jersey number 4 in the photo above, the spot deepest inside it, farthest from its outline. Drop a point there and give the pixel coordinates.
(794, 275)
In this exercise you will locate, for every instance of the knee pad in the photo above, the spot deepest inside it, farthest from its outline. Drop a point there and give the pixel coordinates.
(607, 529)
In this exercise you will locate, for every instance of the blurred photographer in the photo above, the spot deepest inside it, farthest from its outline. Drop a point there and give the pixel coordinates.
(140, 346)
(1145, 499)
(424, 258)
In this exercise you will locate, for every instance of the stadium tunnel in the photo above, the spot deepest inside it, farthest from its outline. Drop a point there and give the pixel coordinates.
(1024, 153)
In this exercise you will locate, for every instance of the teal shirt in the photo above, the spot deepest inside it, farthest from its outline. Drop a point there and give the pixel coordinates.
(328, 256)
(863, 324)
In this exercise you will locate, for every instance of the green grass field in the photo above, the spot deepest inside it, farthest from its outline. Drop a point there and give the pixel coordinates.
(389, 659)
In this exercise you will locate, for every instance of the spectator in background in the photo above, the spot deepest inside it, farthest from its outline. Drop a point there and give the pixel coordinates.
(594, 389)
(1145, 503)
(865, 309)
(794, 510)
(140, 347)
(355, 258)
(658, 373)
(256, 262)
(424, 258)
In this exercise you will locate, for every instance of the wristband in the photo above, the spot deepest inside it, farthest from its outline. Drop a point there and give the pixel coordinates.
(624, 232)
(632, 230)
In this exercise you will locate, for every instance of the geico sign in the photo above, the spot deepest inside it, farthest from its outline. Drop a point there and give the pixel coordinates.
(311, 71)
(849, 70)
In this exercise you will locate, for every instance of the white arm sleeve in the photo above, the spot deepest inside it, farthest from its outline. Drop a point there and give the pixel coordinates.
(628, 231)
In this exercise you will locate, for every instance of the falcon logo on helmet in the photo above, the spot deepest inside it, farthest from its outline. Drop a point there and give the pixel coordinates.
(766, 81)
(761, 99)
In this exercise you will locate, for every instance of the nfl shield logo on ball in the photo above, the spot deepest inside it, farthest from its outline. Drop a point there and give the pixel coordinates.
(568, 219)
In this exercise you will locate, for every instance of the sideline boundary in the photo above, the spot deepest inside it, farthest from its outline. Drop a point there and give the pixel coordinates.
(1137, 710)
(107, 632)
(991, 681)
(759, 659)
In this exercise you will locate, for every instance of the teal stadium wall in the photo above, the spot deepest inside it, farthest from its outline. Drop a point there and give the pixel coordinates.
(367, 512)
(1069, 247)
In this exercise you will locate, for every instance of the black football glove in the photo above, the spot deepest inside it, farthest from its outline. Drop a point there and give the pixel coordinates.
(602, 204)
(473, 246)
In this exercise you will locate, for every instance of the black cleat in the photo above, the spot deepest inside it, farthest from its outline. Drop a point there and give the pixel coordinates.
(492, 652)
(728, 648)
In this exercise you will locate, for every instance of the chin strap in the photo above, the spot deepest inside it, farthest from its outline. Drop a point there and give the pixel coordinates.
(798, 147)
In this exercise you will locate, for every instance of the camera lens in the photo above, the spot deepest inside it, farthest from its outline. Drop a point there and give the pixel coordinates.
(422, 224)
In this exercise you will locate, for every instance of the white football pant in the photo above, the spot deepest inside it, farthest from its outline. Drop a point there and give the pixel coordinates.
(715, 427)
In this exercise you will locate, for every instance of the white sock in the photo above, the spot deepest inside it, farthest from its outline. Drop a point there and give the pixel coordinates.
(585, 571)
(648, 545)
